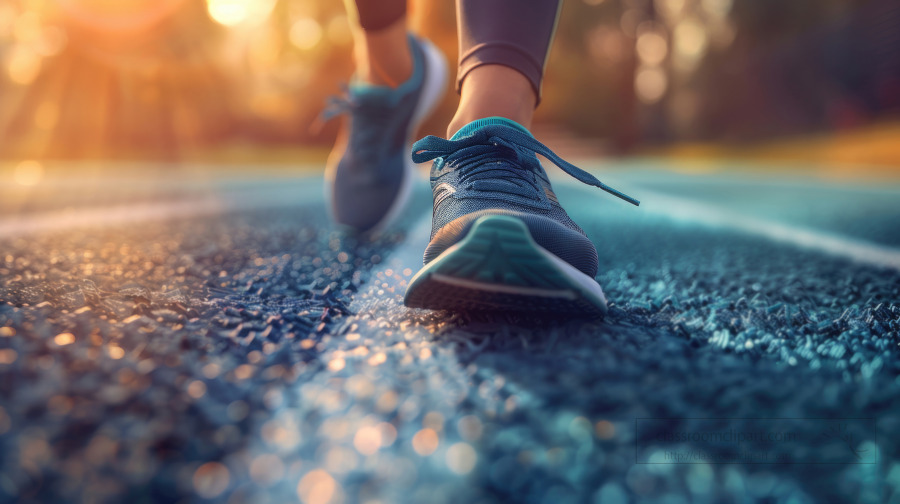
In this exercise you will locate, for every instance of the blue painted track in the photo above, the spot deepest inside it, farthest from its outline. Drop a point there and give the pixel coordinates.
(217, 340)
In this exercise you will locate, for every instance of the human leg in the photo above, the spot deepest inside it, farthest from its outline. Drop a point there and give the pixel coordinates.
(500, 239)
(503, 48)
(380, 41)
(399, 79)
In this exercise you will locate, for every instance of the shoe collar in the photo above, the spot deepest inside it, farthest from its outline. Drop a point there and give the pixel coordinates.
(472, 127)
(365, 92)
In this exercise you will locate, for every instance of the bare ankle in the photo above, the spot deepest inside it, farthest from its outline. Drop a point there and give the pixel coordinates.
(383, 57)
(494, 91)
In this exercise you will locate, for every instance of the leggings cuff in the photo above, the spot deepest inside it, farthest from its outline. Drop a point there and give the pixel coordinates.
(508, 55)
(377, 15)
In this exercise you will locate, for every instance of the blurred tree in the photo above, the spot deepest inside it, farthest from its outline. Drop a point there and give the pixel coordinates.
(120, 80)
(157, 78)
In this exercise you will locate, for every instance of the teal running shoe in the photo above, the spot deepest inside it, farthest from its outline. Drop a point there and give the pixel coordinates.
(500, 239)
(369, 175)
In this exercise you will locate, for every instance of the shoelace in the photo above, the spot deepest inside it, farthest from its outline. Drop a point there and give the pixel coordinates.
(472, 160)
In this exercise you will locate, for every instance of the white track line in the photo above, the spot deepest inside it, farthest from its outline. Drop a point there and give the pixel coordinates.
(406, 255)
(686, 210)
(854, 249)
(675, 208)
(201, 205)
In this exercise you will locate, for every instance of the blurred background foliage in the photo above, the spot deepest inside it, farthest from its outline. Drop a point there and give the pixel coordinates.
(165, 79)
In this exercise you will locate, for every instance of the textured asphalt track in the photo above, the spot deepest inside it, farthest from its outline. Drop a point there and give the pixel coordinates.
(198, 341)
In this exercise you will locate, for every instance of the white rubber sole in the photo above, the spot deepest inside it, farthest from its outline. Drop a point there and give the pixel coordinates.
(498, 266)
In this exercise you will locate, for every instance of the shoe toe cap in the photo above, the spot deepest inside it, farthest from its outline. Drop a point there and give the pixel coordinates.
(568, 244)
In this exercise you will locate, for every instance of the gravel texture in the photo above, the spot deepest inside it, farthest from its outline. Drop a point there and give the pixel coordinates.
(262, 356)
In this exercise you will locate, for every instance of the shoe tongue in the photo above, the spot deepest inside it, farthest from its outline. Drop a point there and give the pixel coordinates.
(477, 124)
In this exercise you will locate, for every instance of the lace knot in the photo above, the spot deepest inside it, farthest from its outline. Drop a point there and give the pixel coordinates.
(470, 152)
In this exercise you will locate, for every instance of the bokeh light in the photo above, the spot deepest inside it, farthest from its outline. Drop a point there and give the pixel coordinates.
(317, 487)
(690, 40)
(650, 84)
(652, 48)
(425, 442)
(211, 479)
(671, 10)
(24, 65)
(336, 364)
(8, 356)
(196, 389)
(236, 12)
(172, 79)
(116, 352)
(29, 173)
(461, 458)
(63, 339)
(227, 12)
(27, 27)
(305, 33)
(367, 440)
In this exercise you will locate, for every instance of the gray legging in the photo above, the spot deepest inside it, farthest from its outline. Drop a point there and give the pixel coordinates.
(513, 33)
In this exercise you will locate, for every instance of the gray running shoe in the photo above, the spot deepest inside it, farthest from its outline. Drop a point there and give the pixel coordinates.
(369, 175)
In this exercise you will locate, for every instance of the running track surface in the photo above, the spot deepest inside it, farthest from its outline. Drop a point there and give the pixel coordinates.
(218, 341)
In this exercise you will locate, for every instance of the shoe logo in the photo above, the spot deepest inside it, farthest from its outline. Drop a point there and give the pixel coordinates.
(440, 168)
(442, 192)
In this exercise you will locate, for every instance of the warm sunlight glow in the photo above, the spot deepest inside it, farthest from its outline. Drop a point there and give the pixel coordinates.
(28, 173)
(235, 12)
(227, 12)
(118, 16)
(7, 17)
(47, 115)
(27, 27)
(305, 33)
(51, 41)
(339, 30)
(24, 65)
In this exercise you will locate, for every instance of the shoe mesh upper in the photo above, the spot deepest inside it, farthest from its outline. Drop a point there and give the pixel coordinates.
(369, 174)
(490, 167)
